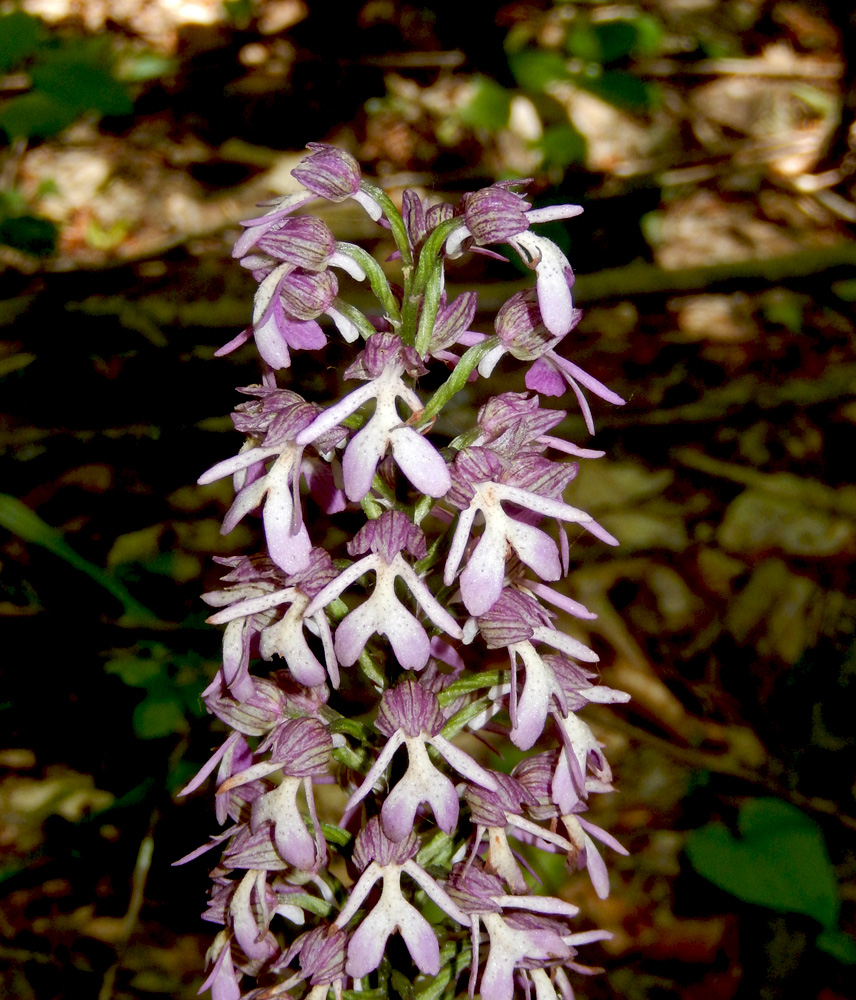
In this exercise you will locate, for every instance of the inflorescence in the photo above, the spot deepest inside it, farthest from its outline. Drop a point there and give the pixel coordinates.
(381, 646)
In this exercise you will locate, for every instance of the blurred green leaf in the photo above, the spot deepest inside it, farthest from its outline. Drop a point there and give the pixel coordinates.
(845, 289)
(18, 518)
(68, 77)
(138, 67)
(155, 718)
(30, 234)
(624, 90)
(609, 41)
(36, 115)
(780, 860)
(20, 36)
(239, 12)
(582, 42)
(489, 106)
(12, 202)
(561, 145)
(15, 362)
(79, 77)
(135, 671)
(649, 35)
(603, 42)
(786, 308)
(173, 683)
(534, 69)
(839, 945)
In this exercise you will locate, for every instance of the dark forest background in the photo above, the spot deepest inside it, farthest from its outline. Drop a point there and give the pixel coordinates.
(713, 146)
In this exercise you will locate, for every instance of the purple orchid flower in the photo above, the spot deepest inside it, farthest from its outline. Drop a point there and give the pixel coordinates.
(322, 954)
(382, 363)
(381, 858)
(525, 334)
(286, 637)
(499, 215)
(300, 749)
(526, 935)
(462, 523)
(278, 488)
(476, 472)
(327, 172)
(383, 613)
(537, 775)
(222, 980)
(410, 715)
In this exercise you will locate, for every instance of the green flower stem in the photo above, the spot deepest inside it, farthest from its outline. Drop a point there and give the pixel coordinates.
(457, 380)
(357, 318)
(356, 760)
(483, 679)
(463, 440)
(430, 266)
(377, 279)
(422, 508)
(466, 714)
(387, 494)
(371, 507)
(396, 223)
(372, 671)
(428, 316)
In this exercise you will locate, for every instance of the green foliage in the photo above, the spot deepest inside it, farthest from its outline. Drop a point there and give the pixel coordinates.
(786, 308)
(20, 36)
(68, 77)
(845, 289)
(172, 682)
(610, 41)
(601, 42)
(36, 115)
(623, 90)
(137, 67)
(594, 47)
(21, 229)
(401, 984)
(239, 12)
(28, 233)
(489, 106)
(26, 524)
(778, 861)
(535, 69)
(437, 851)
(561, 145)
(78, 76)
(837, 944)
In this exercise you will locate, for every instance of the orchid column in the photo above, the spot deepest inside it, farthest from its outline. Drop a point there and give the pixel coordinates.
(458, 545)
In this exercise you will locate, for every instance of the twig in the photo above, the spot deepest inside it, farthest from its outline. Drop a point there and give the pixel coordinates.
(641, 278)
(716, 764)
(150, 314)
(135, 904)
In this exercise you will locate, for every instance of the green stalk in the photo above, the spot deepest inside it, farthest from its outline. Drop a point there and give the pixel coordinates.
(377, 280)
(396, 223)
(430, 266)
(18, 518)
(457, 380)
